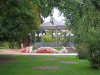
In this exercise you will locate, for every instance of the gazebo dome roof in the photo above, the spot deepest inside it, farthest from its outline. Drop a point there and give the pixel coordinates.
(54, 25)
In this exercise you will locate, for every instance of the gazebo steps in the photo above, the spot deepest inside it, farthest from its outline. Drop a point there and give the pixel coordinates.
(71, 50)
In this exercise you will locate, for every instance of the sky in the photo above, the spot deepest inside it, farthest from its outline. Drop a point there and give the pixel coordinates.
(56, 15)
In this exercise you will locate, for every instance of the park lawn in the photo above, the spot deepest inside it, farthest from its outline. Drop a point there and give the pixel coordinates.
(24, 65)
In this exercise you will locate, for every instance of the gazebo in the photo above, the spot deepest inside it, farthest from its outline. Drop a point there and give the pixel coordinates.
(56, 27)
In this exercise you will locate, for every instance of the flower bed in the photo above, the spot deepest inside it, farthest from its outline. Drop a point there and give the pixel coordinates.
(45, 50)
(24, 50)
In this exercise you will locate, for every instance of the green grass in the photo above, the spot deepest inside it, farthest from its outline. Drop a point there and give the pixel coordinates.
(58, 48)
(24, 65)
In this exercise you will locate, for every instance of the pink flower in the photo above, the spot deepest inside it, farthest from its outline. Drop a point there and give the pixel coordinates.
(45, 50)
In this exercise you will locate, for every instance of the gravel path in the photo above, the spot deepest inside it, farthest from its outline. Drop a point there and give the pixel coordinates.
(17, 52)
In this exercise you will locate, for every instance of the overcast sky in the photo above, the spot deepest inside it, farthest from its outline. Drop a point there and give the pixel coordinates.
(56, 16)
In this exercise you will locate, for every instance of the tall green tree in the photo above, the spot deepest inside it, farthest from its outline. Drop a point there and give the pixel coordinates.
(17, 19)
(86, 27)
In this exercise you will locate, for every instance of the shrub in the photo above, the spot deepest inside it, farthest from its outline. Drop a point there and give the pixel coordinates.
(47, 38)
(94, 49)
(4, 44)
(82, 51)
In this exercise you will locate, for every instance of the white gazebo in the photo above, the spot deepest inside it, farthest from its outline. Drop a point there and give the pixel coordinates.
(55, 28)
(57, 31)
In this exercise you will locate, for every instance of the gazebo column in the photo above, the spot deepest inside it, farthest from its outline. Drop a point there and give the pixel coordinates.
(52, 35)
(65, 36)
(56, 36)
(58, 42)
(60, 35)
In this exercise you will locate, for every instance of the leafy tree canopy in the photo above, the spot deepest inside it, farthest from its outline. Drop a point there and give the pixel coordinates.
(18, 18)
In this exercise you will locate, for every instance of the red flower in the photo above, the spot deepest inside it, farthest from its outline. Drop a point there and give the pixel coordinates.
(45, 50)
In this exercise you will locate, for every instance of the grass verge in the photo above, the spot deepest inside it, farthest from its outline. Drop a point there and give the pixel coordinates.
(24, 65)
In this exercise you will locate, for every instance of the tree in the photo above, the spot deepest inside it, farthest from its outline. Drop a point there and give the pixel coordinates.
(17, 19)
(84, 17)
(94, 48)
(86, 27)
